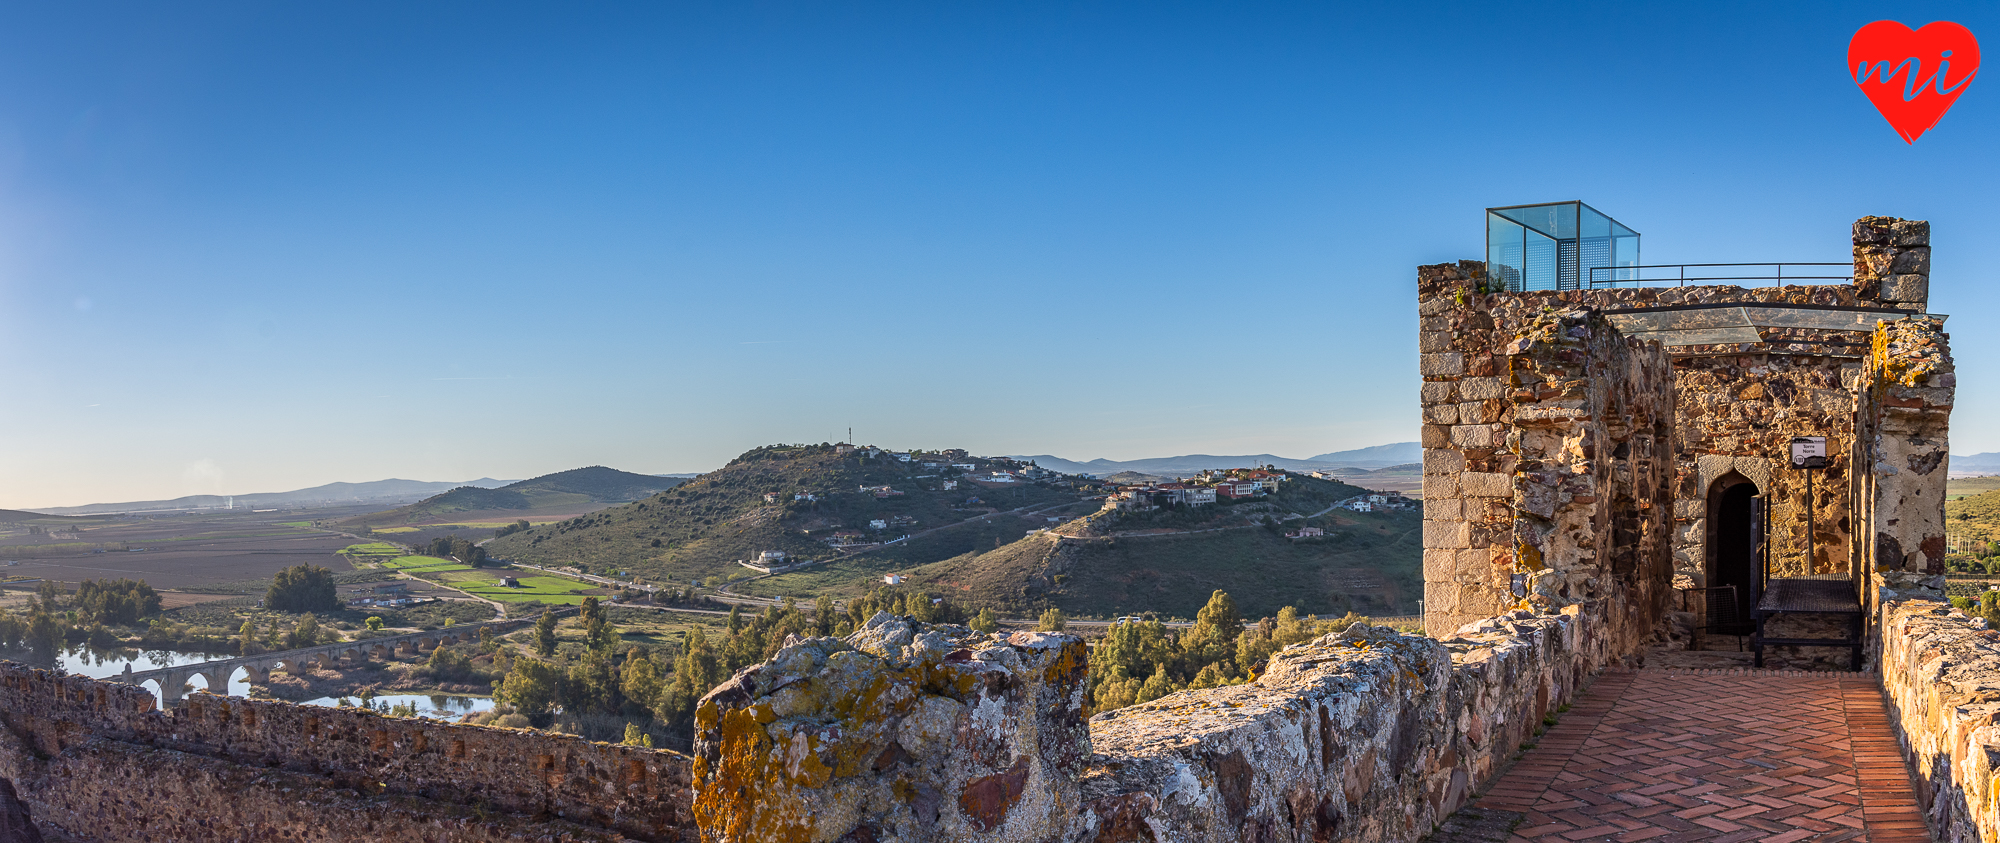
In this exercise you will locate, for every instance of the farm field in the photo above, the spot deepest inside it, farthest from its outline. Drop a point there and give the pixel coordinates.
(485, 582)
(174, 551)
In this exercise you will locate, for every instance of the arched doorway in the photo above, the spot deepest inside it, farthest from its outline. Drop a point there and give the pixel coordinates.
(1732, 551)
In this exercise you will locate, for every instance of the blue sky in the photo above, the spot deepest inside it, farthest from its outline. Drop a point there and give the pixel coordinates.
(255, 247)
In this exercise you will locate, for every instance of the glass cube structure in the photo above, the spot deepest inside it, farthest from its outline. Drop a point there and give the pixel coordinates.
(1557, 246)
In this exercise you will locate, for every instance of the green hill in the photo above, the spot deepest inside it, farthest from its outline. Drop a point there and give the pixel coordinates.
(561, 493)
(701, 528)
(1167, 561)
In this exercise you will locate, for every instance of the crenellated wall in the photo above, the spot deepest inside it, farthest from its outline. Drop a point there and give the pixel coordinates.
(75, 744)
(935, 733)
(1941, 673)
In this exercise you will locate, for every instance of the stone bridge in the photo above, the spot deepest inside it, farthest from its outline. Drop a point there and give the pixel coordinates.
(173, 681)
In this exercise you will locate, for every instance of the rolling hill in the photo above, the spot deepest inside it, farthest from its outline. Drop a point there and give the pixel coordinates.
(703, 527)
(1112, 565)
(562, 493)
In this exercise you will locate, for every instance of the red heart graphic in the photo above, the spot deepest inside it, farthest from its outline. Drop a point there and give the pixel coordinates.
(1913, 76)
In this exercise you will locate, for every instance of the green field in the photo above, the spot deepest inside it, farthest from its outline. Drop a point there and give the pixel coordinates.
(423, 564)
(485, 582)
(372, 549)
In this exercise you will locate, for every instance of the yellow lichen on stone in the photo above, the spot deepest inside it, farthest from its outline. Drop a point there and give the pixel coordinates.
(1529, 557)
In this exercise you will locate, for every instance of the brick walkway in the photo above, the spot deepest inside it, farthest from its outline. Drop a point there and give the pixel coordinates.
(1721, 756)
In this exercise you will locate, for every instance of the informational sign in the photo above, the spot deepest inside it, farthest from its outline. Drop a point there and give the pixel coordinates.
(1808, 452)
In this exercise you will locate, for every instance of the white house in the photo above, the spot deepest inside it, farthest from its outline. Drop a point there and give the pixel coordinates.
(878, 524)
(892, 579)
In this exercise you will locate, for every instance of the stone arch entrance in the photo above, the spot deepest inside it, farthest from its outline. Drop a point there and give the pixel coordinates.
(1731, 550)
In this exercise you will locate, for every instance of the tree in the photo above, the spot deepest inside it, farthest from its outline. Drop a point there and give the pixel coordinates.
(120, 602)
(246, 639)
(635, 737)
(545, 635)
(640, 681)
(302, 588)
(532, 687)
(374, 623)
(1051, 621)
(986, 622)
(305, 634)
(1216, 628)
(597, 632)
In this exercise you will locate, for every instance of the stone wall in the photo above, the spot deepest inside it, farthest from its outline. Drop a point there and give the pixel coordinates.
(1548, 453)
(83, 751)
(920, 733)
(1941, 672)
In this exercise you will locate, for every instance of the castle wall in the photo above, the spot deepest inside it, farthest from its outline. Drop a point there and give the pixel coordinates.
(70, 738)
(934, 733)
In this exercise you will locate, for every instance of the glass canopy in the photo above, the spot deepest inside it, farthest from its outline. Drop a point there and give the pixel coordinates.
(1739, 323)
(1555, 246)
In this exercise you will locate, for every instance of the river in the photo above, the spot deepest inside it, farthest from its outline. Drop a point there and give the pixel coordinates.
(103, 664)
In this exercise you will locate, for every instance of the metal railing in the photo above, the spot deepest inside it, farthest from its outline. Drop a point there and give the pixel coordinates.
(1606, 276)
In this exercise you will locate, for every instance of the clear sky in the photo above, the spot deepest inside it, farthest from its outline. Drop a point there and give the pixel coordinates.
(259, 246)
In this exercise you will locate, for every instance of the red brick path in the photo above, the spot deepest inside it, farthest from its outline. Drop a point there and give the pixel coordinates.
(1720, 756)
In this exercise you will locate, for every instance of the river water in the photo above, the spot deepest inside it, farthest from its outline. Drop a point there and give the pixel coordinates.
(104, 664)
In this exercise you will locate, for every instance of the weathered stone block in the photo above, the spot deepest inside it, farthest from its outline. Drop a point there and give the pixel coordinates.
(1907, 288)
(1447, 534)
(1476, 484)
(1438, 392)
(1442, 461)
(1480, 389)
(1915, 260)
(1441, 364)
(1436, 436)
(901, 730)
(1439, 486)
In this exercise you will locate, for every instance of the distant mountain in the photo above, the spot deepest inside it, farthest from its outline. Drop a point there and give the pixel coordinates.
(376, 491)
(1197, 463)
(1987, 463)
(575, 491)
(1378, 456)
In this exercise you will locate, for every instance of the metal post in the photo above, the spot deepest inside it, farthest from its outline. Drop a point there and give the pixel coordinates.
(1809, 523)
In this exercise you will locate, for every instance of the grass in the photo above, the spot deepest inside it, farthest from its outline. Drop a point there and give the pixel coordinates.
(414, 564)
(300, 524)
(372, 549)
(485, 582)
(392, 529)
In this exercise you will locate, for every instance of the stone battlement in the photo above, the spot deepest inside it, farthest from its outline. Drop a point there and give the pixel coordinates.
(59, 723)
(913, 732)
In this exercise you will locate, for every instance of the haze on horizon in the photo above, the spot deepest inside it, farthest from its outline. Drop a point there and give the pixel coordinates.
(258, 248)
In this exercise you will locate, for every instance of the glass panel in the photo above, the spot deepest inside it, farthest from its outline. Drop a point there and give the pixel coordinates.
(1503, 252)
(1593, 250)
(1678, 320)
(1704, 336)
(1538, 262)
(1826, 320)
(1557, 220)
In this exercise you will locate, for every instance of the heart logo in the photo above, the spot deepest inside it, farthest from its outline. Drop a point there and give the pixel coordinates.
(1913, 76)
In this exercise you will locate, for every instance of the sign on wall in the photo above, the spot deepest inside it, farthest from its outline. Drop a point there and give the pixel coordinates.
(1808, 452)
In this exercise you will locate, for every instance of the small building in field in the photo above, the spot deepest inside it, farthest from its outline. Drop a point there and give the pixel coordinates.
(1305, 533)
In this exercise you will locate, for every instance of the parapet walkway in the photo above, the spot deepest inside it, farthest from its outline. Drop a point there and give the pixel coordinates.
(1717, 755)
